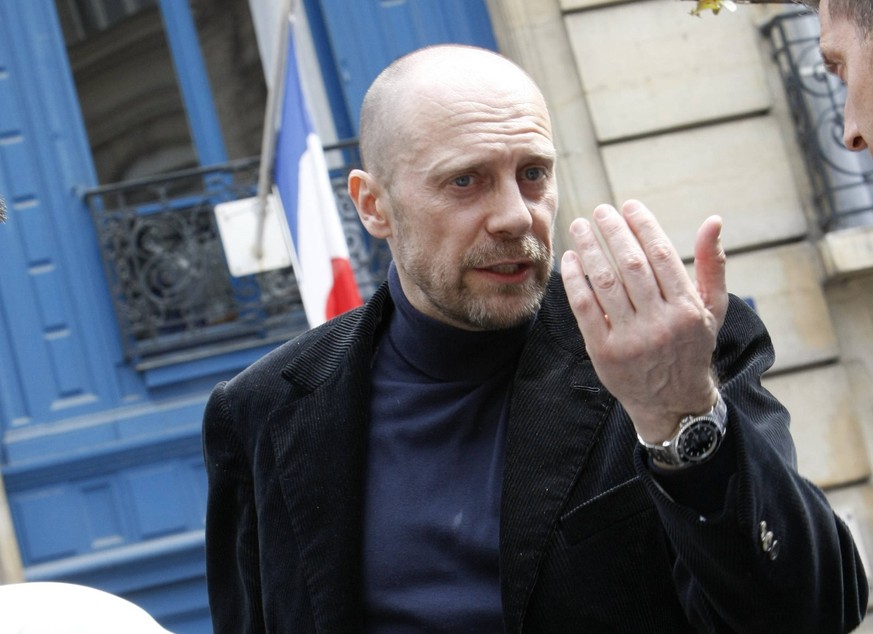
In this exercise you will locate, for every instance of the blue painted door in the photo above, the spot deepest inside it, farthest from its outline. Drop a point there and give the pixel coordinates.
(57, 363)
(104, 475)
(102, 461)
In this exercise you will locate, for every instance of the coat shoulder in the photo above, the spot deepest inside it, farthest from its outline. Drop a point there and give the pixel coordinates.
(308, 359)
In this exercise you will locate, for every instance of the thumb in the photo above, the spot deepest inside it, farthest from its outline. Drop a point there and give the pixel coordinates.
(709, 267)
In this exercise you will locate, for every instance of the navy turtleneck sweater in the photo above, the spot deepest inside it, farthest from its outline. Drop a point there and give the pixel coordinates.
(432, 521)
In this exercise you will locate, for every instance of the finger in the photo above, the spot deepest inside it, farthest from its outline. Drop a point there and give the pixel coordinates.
(583, 302)
(709, 267)
(602, 276)
(662, 256)
(630, 259)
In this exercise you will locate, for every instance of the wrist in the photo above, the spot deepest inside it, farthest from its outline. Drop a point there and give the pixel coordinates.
(695, 438)
(654, 426)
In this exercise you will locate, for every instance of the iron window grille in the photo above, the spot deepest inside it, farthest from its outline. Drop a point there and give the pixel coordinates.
(172, 292)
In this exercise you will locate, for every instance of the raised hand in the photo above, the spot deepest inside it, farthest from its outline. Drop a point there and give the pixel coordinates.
(650, 332)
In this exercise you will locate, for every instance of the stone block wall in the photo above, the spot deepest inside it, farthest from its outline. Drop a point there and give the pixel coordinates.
(686, 114)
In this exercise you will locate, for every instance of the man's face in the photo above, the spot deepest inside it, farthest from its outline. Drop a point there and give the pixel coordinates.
(472, 202)
(848, 53)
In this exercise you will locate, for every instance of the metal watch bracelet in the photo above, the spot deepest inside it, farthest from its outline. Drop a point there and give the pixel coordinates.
(696, 440)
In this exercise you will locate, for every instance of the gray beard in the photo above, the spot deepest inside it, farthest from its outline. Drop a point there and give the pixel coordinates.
(460, 304)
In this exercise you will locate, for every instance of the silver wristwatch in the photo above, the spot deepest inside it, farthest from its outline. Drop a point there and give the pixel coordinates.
(697, 438)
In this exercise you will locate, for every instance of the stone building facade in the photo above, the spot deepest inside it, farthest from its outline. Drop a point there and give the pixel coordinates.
(690, 115)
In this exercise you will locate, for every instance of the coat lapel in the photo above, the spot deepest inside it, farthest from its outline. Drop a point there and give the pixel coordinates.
(320, 442)
(558, 408)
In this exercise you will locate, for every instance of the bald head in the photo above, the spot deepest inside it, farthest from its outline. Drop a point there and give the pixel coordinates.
(426, 77)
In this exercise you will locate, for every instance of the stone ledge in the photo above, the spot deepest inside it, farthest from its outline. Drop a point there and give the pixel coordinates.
(847, 252)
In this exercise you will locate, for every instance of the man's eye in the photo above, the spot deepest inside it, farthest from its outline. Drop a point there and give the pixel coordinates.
(534, 173)
(835, 69)
(463, 181)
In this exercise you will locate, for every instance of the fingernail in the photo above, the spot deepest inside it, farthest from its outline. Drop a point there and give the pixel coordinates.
(632, 206)
(602, 212)
(579, 227)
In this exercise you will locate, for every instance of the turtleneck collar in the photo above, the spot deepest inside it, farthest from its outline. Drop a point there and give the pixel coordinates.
(447, 353)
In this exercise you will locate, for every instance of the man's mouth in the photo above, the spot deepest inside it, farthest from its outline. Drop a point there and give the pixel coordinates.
(509, 262)
(507, 272)
(507, 268)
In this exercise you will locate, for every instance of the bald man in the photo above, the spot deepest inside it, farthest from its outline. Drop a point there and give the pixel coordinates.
(489, 445)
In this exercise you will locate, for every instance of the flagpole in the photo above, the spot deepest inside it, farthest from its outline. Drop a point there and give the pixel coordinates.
(274, 101)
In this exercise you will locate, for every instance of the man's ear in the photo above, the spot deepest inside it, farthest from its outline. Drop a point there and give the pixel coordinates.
(371, 202)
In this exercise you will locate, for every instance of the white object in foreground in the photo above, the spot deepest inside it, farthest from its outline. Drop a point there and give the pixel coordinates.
(46, 607)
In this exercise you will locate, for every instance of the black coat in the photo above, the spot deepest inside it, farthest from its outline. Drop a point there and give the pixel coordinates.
(589, 541)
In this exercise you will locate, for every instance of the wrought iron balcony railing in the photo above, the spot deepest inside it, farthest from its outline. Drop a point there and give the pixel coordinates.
(842, 181)
(172, 292)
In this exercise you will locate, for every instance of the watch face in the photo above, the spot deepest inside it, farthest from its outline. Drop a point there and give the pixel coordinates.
(698, 440)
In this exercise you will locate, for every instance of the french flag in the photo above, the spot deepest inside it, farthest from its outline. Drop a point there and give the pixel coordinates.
(323, 269)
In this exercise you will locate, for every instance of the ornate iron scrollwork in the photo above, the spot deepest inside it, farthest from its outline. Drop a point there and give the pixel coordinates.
(173, 294)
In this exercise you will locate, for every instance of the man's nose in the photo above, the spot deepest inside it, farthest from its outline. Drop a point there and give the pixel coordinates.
(852, 137)
(510, 214)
